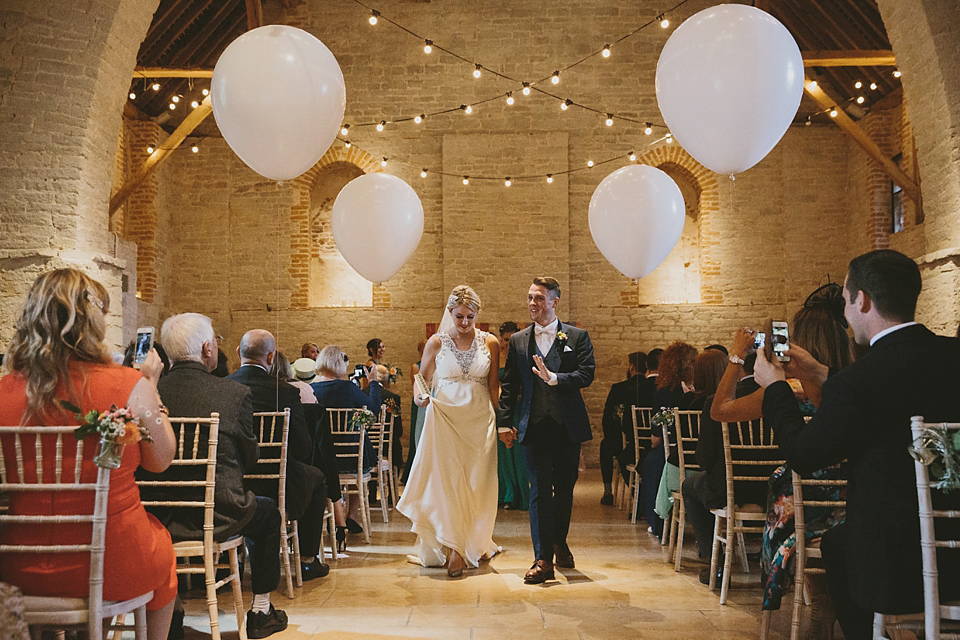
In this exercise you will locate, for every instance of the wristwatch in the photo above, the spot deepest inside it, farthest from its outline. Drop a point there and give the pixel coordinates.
(736, 359)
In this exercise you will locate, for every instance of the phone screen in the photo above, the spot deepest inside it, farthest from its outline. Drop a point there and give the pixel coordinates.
(759, 340)
(780, 340)
(143, 346)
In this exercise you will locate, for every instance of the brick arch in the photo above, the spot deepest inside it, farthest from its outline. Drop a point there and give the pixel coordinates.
(300, 213)
(705, 181)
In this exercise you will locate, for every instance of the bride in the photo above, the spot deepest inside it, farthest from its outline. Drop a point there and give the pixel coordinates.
(451, 494)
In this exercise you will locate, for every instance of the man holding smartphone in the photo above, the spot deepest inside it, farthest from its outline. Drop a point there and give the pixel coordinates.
(863, 416)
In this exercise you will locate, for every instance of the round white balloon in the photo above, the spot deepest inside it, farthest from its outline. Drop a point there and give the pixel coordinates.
(636, 218)
(278, 98)
(377, 223)
(729, 81)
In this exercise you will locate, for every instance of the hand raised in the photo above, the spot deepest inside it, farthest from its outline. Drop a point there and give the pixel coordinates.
(743, 341)
(766, 372)
(152, 367)
(540, 369)
(804, 366)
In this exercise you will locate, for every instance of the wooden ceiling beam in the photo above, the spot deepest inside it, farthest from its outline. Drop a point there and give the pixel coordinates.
(167, 72)
(170, 145)
(849, 58)
(254, 14)
(815, 91)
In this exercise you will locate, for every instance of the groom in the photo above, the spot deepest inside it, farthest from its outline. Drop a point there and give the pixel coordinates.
(547, 365)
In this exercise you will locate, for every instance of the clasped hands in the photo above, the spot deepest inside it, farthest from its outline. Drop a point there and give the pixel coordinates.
(507, 435)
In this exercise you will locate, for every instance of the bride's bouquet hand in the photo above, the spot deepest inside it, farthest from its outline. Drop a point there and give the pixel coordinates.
(421, 401)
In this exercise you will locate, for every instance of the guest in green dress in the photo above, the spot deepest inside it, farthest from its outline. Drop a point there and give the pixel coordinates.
(512, 472)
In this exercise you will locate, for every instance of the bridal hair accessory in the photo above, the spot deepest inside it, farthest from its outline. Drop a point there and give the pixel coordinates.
(463, 295)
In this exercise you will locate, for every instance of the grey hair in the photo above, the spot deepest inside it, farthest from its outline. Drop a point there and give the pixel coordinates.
(331, 362)
(183, 336)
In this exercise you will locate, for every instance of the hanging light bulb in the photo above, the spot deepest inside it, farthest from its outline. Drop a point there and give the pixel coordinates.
(648, 129)
(428, 46)
(347, 144)
(507, 182)
(155, 86)
(373, 16)
(195, 149)
(206, 92)
(383, 162)
(526, 88)
(194, 104)
(873, 86)
(150, 149)
(807, 123)
(477, 71)
(812, 85)
(606, 51)
(549, 178)
(423, 174)
(172, 106)
(669, 138)
(589, 163)
(381, 125)
(857, 85)
(345, 129)
(555, 78)
(467, 109)
(566, 104)
(466, 179)
(632, 156)
(664, 23)
(175, 98)
(509, 97)
(860, 99)
(609, 120)
(133, 96)
(418, 119)
(896, 73)
(833, 112)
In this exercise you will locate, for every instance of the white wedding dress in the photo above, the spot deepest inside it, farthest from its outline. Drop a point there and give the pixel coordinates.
(451, 494)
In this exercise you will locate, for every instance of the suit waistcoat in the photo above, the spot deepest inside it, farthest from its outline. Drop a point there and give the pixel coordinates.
(544, 402)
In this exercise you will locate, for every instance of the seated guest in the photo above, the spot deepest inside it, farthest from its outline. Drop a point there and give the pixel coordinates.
(674, 382)
(286, 372)
(620, 399)
(309, 350)
(863, 415)
(306, 486)
(57, 353)
(334, 391)
(189, 390)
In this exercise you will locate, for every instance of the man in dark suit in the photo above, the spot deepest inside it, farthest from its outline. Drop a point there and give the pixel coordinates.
(615, 411)
(547, 365)
(863, 416)
(306, 496)
(189, 390)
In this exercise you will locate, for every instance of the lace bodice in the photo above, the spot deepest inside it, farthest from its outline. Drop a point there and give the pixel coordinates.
(455, 365)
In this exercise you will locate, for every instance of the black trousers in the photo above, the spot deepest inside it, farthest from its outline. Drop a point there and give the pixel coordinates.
(311, 522)
(857, 623)
(696, 499)
(553, 465)
(262, 534)
(612, 447)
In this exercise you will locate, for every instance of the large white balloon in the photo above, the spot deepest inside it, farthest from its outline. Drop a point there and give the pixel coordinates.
(636, 218)
(729, 81)
(377, 224)
(278, 99)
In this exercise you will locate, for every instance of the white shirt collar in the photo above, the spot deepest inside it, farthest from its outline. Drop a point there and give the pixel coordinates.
(550, 328)
(254, 364)
(889, 331)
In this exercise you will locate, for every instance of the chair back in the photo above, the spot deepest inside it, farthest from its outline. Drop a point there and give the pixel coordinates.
(750, 456)
(642, 429)
(273, 432)
(687, 430)
(347, 442)
(34, 460)
(381, 436)
(190, 480)
(939, 528)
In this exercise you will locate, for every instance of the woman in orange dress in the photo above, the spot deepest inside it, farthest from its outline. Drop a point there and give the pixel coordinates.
(58, 354)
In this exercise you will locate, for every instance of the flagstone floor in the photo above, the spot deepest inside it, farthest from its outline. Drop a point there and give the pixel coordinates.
(622, 588)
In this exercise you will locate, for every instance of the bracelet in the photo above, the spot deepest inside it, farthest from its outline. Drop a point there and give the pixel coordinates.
(736, 360)
(163, 409)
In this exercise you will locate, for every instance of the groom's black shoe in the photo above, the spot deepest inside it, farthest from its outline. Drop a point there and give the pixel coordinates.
(562, 556)
(540, 572)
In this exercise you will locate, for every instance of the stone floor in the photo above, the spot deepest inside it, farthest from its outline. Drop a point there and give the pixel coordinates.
(621, 588)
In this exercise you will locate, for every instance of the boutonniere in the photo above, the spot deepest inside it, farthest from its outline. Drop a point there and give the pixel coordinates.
(561, 336)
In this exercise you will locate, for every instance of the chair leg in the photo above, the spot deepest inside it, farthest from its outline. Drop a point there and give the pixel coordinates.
(765, 624)
(210, 582)
(678, 552)
(382, 490)
(715, 551)
(285, 557)
(393, 486)
(636, 500)
(878, 626)
(364, 509)
(671, 532)
(799, 593)
(743, 552)
(297, 561)
(728, 558)
(140, 622)
(237, 593)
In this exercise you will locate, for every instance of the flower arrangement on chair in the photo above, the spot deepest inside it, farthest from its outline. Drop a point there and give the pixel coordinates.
(117, 427)
(362, 418)
(939, 450)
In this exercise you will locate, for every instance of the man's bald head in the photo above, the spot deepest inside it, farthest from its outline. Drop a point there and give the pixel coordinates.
(257, 347)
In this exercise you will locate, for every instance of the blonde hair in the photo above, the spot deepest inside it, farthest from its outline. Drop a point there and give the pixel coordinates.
(463, 295)
(332, 362)
(63, 319)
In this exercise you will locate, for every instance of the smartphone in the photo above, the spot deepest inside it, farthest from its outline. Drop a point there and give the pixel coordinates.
(780, 340)
(143, 345)
(759, 341)
(359, 372)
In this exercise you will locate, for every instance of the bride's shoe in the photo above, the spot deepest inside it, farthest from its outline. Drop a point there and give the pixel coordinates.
(455, 565)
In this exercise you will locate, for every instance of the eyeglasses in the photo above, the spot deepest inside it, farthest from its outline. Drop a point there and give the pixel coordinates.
(219, 339)
(346, 358)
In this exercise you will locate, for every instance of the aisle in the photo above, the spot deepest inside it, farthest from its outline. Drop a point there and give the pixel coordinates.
(621, 588)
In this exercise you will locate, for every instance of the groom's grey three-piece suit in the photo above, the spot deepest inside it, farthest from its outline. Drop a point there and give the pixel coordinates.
(552, 424)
